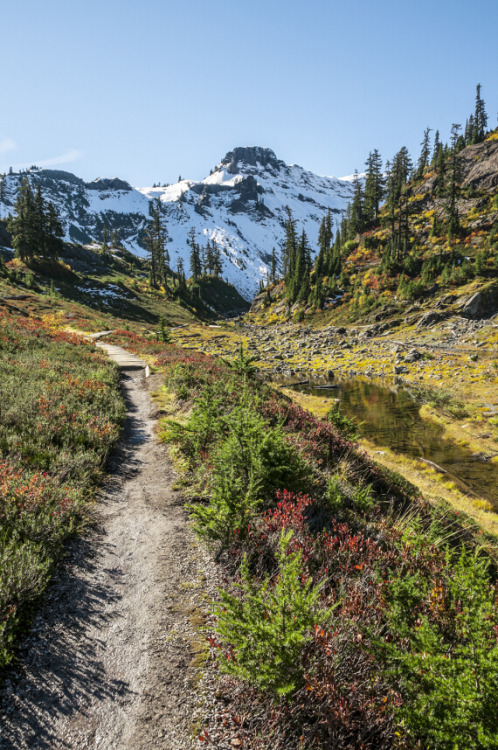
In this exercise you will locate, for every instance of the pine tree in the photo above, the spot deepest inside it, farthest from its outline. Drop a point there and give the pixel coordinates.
(273, 267)
(290, 248)
(53, 243)
(324, 243)
(155, 243)
(36, 227)
(453, 189)
(480, 117)
(104, 240)
(436, 149)
(195, 260)
(357, 206)
(423, 159)
(217, 261)
(374, 187)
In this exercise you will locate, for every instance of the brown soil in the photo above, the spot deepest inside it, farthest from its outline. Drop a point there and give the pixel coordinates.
(110, 661)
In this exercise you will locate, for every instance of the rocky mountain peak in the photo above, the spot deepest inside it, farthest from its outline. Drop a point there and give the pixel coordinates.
(250, 156)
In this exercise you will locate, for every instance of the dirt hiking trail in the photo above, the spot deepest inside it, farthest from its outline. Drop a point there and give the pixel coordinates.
(108, 660)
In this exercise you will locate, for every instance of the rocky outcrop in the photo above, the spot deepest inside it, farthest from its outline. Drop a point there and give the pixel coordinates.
(480, 165)
(482, 304)
(251, 156)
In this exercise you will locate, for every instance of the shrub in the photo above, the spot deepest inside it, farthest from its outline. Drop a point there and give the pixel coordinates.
(445, 657)
(265, 628)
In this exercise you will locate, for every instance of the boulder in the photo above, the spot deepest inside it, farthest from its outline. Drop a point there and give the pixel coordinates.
(482, 304)
(429, 318)
(413, 356)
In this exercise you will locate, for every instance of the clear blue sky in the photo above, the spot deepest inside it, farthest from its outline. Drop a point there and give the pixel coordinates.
(150, 90)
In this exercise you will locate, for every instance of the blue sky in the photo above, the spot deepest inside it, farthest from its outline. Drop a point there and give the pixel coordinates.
(150, 90)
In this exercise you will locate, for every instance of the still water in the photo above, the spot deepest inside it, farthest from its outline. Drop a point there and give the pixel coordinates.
(391, 419)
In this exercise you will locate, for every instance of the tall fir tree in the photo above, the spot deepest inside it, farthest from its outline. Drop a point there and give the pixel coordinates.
(374, 187)
(357, 206)
(480, 117)
(195, 258)
(425, 152)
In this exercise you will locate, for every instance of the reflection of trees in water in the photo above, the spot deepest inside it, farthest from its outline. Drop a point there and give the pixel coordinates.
(392, 419)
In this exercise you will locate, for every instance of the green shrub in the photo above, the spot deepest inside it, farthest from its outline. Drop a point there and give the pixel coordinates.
(266, 627)
(447, 663)
(250, 462)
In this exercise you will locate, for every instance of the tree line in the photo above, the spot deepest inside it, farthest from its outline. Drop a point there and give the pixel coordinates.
(313, 282)
(36, 228)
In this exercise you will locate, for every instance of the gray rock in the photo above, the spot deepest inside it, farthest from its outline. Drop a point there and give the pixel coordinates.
(429, 318)
(482, 304)
(413, 356)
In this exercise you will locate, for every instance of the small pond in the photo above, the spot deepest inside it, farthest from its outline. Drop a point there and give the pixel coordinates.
(391, 418)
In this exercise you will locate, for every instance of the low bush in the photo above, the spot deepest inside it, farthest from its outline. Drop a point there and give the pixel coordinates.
(61, 411)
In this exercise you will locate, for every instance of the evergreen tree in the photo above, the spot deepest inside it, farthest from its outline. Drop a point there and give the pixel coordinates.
(374, 187)
(115, 238)
(155, 243)
(290, 248)
(195, 259)
(324, 243)
(22, 226)
(53, 242)
(436, 149)
(217, 261)
(35, 227)
(273, 267)
(104, 240)
(357, 206)
(453, 189)
(480, 117)
(423, 159)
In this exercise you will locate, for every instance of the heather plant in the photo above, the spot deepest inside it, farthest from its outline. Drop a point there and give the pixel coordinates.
(265, 626)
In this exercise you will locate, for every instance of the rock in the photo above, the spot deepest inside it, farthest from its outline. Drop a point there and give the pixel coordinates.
(400, 369)
(480, 165)
(429, 318)
(482, 304)
(413, 356)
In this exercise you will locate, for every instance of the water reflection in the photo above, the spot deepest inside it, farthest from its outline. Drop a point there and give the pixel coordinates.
(391, 418)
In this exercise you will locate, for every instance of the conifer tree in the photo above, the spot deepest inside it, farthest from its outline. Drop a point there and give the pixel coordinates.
(53, 242)
(357, 206)
(480, 117)
(273, 267)
(374, 186)
(324, 243)
(423, 159)
(155, 243)
(217, 261)
(436, 149)
(35, 227)
(289, 252)
(453, 189)
(195, 259)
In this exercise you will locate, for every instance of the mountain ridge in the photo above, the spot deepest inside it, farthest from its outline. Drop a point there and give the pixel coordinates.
(241, 205)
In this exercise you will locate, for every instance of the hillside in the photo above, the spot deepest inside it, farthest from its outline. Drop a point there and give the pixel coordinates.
(240, 205)
(92, 287)
(408, 259)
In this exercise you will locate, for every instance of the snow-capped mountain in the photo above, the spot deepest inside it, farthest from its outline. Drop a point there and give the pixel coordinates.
(241, 205)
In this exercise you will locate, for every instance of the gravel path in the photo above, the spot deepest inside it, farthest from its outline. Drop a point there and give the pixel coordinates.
(108, 662)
